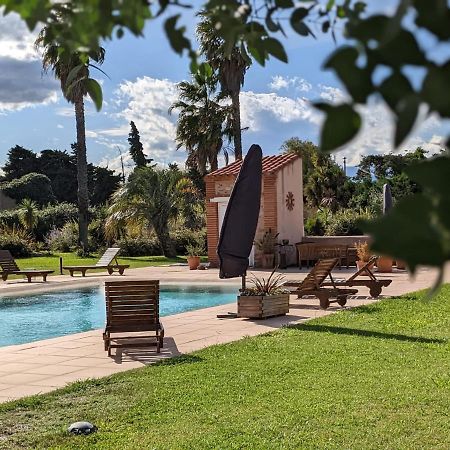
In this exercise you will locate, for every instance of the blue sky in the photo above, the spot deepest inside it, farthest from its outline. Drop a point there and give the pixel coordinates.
(143, 75)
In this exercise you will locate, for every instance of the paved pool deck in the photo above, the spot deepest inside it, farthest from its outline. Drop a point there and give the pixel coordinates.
(43, 366)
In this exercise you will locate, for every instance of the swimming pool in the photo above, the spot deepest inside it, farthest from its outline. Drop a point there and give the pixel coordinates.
(41, 316)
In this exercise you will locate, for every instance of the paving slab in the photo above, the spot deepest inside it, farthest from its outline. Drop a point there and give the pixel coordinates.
(42, 366)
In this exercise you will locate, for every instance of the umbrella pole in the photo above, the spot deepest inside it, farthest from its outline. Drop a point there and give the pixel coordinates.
(243, 282)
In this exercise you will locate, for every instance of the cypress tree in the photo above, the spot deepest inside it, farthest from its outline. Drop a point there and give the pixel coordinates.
(136, 148)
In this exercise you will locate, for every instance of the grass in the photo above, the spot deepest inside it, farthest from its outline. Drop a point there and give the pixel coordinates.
(71, 259)
(375, 377)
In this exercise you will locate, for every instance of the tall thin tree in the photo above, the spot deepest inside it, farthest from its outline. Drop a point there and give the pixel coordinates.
(73, 73)
(136, 147)
(231, 73)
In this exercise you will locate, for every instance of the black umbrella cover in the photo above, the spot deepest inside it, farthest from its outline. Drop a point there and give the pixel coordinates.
(387, 198)
(241, 217)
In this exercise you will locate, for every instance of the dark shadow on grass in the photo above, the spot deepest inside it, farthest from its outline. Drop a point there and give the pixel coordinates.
(367, 333)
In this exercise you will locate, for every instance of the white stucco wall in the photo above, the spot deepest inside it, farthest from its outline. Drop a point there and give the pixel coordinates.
(290, 223)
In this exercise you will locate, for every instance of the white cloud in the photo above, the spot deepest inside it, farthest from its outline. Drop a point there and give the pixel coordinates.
(16, 41)
(146, 101)
(254, 106)
(279, 82)
(60, 126)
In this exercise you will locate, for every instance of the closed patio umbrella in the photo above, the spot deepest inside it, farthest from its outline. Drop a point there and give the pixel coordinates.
(387, 198)
(241, 217)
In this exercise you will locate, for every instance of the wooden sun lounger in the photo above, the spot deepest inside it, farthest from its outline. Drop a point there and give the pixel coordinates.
(132, 306)
(10, 267)
(374, 284)
(105, 262)
(314, 282)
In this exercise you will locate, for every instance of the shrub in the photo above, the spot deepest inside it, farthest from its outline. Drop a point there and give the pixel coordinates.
(182, 237)
(16, 240)
(346, 223)
(64, 239)
(35, 186)
(317, 223)
(138, 246)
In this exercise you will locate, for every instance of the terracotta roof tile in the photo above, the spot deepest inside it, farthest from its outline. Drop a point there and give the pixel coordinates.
(270, 164)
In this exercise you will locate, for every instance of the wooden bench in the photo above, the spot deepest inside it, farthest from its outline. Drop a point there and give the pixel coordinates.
(10, 267)
(313, 285)
(105, 262)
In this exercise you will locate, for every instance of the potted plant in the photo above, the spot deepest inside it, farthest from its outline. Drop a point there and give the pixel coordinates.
(266, 298)
(194, 250)
(266, 245)
(384, 264)
(363, 253)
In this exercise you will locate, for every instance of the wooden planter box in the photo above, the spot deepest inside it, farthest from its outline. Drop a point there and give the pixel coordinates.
(262, 306)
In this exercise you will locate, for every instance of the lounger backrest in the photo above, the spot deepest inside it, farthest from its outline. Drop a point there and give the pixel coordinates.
(7, 262)
(132, 305)
(365, 269)
(107, 257)
(318, 274)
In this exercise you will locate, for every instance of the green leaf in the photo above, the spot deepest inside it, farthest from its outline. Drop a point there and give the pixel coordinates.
(433, 173)
(407, 110)
(401, 50)
(284, 4)
(373, 28)
(95, 92)
(436, 89)
(434, 15)
(394, 88)
(297, 22)
(357, 81)
(177, 40)
(341, 125)
(270, 24)
(72, 75)
(408, 232)
(256, 49)
(274, 47)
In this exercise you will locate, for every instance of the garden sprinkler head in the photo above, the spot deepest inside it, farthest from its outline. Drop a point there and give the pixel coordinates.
(82, 428)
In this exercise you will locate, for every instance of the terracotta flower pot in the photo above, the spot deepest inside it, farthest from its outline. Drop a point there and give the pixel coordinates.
(267, 260)
(384, 264)
(360, 264)
(193, 261)
(401, 265)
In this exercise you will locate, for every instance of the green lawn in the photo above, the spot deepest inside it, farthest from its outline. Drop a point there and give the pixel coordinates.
(71, 259)
(375, 377)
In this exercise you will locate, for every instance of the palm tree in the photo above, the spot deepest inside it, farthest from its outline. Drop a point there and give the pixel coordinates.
(200, 124)
(151, 198)
(28, 214)
(73, 73)
(231, 72)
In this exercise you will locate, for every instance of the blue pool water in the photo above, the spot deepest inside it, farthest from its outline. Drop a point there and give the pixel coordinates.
(46, 315)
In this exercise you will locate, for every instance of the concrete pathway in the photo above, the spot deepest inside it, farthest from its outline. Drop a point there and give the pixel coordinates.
(46, 365)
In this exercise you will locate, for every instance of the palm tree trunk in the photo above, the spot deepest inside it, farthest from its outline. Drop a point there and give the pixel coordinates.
(237, 136)
(165, 241)
(82, 177)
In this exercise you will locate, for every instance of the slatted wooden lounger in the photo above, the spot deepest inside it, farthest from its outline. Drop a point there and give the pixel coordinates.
(374, 284)
(132, 306)
(105, 262)
(313, 285)
(10, 267)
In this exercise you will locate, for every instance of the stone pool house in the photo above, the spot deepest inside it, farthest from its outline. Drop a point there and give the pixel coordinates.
(281, 202)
